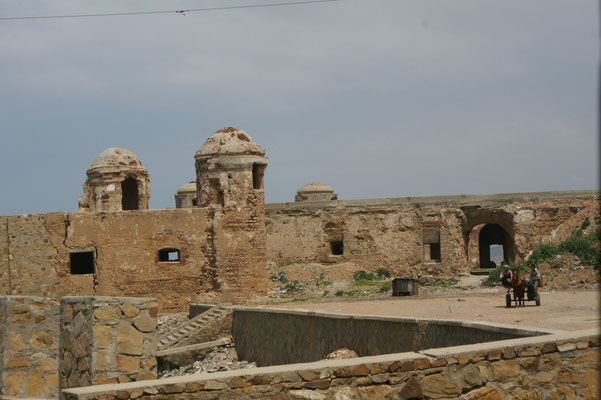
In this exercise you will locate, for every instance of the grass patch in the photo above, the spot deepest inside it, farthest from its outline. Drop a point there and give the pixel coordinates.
(364, 276)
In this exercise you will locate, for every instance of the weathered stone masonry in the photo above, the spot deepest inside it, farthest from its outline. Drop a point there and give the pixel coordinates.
(29, 339)
(548, 367)
(107, 340)
(436, 235)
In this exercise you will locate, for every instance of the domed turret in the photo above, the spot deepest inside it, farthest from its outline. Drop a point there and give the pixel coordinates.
(116, 181)
(229, 168)
(315, 191)
(229, 141)
(185, 197)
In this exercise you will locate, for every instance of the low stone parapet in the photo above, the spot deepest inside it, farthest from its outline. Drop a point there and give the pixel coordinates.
(563, 365)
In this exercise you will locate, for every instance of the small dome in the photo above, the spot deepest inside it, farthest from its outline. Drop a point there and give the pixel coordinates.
(116, 158)
(315, 187)
(187, 188)
(230, 141)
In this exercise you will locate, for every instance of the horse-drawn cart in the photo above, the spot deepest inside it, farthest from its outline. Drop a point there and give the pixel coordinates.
(530, 295)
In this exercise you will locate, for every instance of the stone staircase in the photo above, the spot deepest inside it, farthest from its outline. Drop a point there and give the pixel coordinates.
(186, 329)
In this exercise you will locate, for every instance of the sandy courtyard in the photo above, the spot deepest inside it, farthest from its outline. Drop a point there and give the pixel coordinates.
(559, 310)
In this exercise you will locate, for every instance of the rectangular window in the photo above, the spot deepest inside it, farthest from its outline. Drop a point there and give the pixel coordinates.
(81, 262)
(431, 237)
(435, 251)
(168, 255)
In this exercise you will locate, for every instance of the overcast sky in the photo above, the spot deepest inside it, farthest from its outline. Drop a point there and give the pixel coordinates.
(377, 98)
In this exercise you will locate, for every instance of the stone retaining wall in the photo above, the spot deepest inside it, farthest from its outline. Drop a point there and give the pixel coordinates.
(28, 346)
(564, 365)
(107, 340)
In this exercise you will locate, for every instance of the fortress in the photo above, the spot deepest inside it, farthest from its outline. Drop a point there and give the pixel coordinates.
(215, 245)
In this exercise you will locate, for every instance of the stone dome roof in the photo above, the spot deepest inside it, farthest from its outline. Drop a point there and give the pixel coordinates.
(116, 158)
(315, 187)
(189, 187)
(230, 141)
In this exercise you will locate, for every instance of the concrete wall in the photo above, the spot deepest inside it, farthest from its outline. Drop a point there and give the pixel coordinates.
(395, 233)
(553, 366)
(275, 337)
(28, 347)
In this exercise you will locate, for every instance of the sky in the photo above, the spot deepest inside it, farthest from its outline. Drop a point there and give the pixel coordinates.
(377, 98)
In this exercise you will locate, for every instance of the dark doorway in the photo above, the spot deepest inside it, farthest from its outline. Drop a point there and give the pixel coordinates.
(129, 194)
(492, 236)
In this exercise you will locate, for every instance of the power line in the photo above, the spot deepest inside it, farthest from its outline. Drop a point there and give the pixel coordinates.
(183, 12)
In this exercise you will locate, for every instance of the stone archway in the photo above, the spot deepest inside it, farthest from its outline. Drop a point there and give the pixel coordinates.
(486, 231)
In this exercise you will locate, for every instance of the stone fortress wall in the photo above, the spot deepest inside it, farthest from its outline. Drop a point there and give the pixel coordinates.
(422, 235)
(216, 246)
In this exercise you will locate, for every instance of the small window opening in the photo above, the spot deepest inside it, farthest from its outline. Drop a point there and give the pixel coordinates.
(337, 248)
(258, 172)
(129, 194)
(435, 251)
(81, 263)
(168, 255)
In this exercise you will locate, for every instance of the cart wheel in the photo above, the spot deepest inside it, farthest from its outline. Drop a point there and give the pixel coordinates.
(537, 299)
(508, 300)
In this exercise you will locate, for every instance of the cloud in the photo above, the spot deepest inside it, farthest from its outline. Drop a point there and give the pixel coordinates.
(376, 98)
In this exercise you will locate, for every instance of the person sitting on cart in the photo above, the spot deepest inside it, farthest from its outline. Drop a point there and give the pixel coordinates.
(534, 280)
(506, 277)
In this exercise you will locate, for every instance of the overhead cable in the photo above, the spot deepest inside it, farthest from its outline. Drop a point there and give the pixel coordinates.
(183, 12)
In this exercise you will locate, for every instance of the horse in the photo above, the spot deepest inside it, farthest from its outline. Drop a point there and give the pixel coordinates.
(519, 287)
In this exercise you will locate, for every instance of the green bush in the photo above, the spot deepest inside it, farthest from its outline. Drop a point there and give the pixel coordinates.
(582, 246)
(543, 252)
(383, 273)
(362, 275)
(293, 286)
(585, 224)
(339, 293)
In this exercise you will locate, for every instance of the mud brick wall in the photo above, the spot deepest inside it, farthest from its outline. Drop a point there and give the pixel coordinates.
(107, 340)
(561, 366)
(28, 346)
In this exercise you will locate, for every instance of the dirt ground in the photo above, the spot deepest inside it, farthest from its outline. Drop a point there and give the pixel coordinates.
(559, 310)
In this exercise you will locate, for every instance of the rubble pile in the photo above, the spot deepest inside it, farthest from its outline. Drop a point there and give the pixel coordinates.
(167, 322)
(341, 354)
(219, 358)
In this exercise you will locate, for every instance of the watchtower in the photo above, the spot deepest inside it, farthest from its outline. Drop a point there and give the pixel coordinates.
(116, 181)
